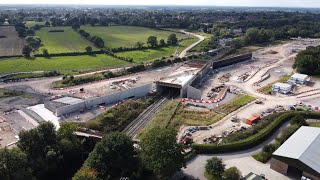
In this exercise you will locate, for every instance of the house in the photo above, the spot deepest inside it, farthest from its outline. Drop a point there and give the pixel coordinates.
(283, 88)
(237, 32)
(300, 78)
(299, 155)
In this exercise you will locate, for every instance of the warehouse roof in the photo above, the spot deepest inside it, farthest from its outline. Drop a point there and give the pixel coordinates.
(303, 145)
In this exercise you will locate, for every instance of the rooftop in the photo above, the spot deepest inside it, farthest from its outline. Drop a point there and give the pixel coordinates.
(299, 76)
(283, 85)
(303, 145)
(184, 73)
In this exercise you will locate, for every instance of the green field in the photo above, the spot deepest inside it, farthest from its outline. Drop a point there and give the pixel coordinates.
(30, 24)
(149, 54)
(59, 42)
(152, 54)
(126, 36)
(63, 63)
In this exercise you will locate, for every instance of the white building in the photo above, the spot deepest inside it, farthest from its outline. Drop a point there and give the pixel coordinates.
(283, 88)
(299, 154)
(299, 78)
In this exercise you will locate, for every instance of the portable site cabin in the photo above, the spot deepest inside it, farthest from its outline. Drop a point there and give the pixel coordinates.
(253, 119)
(283, 88)
(299, 78)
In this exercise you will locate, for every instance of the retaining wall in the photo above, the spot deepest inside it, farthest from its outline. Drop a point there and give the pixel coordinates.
(109, 99)
(231, 60)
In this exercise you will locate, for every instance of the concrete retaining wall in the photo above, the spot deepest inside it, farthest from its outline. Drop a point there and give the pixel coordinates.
(231, 60)
(193, 93)
(109, 99)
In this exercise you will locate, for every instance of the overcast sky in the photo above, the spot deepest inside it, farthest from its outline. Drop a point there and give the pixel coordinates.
(278, 3)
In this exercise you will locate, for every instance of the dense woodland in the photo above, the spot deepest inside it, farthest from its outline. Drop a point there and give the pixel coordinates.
(308, 61)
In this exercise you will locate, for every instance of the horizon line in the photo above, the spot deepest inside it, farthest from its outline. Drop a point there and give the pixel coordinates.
(167, 5)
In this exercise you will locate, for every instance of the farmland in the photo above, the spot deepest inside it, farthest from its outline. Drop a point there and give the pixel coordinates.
(152, 54)
(30, 24)
(63, 63)
(59, 42)
(126, 36)
(148, 54)
(11, 44)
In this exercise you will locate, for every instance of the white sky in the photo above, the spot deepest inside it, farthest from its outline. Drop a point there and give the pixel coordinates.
(278, 3)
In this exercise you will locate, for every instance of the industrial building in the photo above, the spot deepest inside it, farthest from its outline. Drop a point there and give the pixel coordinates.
(299, 78)
(283, 88)
(299, 155)
(179, 80)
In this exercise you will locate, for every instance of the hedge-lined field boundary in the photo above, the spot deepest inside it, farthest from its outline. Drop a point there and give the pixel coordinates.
(254, 140)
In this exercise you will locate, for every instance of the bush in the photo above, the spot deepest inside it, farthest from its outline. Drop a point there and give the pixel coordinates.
(232, 173)
(56, 30)
(262, 156)
(299, 120)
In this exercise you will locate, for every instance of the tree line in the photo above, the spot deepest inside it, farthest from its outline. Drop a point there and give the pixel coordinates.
(44, 154)
(307, 61)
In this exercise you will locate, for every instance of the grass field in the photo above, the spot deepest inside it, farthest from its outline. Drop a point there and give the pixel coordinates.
(152, 54)
(11, 44)
(126, 36)
(30, 24)
(59, 42)
(149, 54)
(63, 63)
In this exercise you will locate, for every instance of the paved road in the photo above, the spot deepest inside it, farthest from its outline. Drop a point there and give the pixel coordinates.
(184, 52)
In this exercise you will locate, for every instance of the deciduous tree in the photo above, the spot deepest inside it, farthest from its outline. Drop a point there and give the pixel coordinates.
(172, 39)
(113, 156)
(160, 152)
(152, 41)
(215, 167)
(14, 165)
